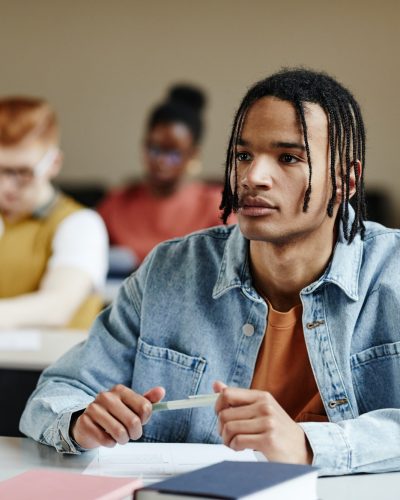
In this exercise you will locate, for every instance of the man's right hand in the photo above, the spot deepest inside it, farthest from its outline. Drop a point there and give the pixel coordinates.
(115, 416)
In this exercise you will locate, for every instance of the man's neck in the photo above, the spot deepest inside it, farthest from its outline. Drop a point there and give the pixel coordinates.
(164, 190)
(45, 196)
(281, 272)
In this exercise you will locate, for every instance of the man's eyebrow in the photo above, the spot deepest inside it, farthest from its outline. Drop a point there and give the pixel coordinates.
(242, 142)
(278, 144)
(289, 145)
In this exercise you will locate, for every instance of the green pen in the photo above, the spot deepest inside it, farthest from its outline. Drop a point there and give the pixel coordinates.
(195, 401)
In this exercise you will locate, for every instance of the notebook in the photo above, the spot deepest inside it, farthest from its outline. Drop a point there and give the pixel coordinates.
(49, 484)
(238, 480)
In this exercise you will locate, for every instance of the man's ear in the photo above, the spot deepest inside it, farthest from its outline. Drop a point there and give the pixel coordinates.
(355, 176)
(56, 165)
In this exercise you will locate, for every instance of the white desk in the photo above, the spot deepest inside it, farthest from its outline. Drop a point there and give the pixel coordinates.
(53, 344)
(20, 454)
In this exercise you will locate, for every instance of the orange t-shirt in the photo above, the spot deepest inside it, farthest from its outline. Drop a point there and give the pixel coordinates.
(283, 367)
(137, 219)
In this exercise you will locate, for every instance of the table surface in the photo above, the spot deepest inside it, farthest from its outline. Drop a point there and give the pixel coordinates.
(20, 454)
(53, 344)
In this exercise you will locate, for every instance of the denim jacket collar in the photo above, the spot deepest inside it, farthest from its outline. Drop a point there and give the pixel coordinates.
(343, 270)
(344, 267)
(234, 271)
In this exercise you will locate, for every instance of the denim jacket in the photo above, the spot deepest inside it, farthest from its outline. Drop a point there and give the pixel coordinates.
(182, 321)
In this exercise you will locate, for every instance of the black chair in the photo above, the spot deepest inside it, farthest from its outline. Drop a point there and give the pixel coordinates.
(15, 388)
(88, 194)
(379, 207)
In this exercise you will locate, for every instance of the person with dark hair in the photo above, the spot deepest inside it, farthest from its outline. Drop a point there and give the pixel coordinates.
(291, 316)
(166, 204)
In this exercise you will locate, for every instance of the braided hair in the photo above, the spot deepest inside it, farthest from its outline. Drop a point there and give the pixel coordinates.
(346, 135)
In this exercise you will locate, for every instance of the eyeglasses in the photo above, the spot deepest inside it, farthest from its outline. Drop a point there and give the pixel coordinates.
(23, 176)
(173, 157)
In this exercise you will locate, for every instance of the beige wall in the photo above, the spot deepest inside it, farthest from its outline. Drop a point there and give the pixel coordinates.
(103, 63)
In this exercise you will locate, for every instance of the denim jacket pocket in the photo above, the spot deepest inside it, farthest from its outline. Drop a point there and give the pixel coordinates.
(180, 374)
(376, 372)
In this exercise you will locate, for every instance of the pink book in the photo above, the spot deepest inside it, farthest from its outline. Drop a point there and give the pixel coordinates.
(49, 484)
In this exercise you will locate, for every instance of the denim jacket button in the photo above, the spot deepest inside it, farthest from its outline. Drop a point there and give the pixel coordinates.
(248, 329)
(314, 324)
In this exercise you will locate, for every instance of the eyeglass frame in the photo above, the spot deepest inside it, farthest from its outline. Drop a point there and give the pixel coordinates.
(37, 171)
(155, 152)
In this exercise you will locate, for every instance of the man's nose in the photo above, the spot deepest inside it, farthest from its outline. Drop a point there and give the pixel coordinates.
(161, 160)
(258, 174)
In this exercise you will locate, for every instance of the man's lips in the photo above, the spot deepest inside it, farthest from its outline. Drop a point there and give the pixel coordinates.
(255, 207)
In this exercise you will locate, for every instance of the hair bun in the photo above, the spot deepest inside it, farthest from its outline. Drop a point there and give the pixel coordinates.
(187, 95)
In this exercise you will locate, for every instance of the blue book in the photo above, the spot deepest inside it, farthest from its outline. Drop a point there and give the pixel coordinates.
(237, 480)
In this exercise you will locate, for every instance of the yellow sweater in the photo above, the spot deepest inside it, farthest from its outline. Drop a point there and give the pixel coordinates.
(25, 249)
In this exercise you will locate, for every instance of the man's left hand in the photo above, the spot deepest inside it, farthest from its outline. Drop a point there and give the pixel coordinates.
(248, 418)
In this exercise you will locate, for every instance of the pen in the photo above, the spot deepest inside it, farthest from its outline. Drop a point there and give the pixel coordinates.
(195, 401)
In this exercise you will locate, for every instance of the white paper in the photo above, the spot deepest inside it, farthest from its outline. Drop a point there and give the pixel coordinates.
(157, 461)
(20, 340)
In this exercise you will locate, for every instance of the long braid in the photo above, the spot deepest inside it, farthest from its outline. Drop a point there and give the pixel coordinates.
(332, 147)
(230, 200)
(361, 155)
(238, 134)
(339, 145)
(347, 137)
(307, 194)
(360, 191)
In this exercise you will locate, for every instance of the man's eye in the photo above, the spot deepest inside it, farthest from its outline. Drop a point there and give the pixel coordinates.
(242, 156)
(288, 158)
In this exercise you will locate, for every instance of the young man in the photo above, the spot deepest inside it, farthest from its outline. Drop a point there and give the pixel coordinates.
(292, 316)
(53, 252)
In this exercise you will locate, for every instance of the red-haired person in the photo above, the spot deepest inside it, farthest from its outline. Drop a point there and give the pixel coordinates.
(166, 204)
(53, 251)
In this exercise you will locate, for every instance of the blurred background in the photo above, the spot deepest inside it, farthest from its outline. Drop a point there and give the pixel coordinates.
(103, 64)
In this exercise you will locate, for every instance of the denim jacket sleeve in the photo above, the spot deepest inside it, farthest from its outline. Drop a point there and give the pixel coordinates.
(368, 443)
(106, 358)
(355, 354)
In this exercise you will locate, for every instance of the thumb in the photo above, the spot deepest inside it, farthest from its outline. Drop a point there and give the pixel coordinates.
(155, 394)
(218, 386)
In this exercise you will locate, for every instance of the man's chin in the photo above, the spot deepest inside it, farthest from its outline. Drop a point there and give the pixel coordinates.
(6, 207)
(264, 234)
(254, 229)
(254, 235)
(12, 210)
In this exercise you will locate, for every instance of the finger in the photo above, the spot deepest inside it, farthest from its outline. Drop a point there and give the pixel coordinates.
(113, 402)
(235, 396)
(241, 413)
(128, 419)
(111, 425)
(89, 435)
(248, 441)
(230, 430)
(218, 386)
(137, 403)
(155, 394)
(246, 412)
